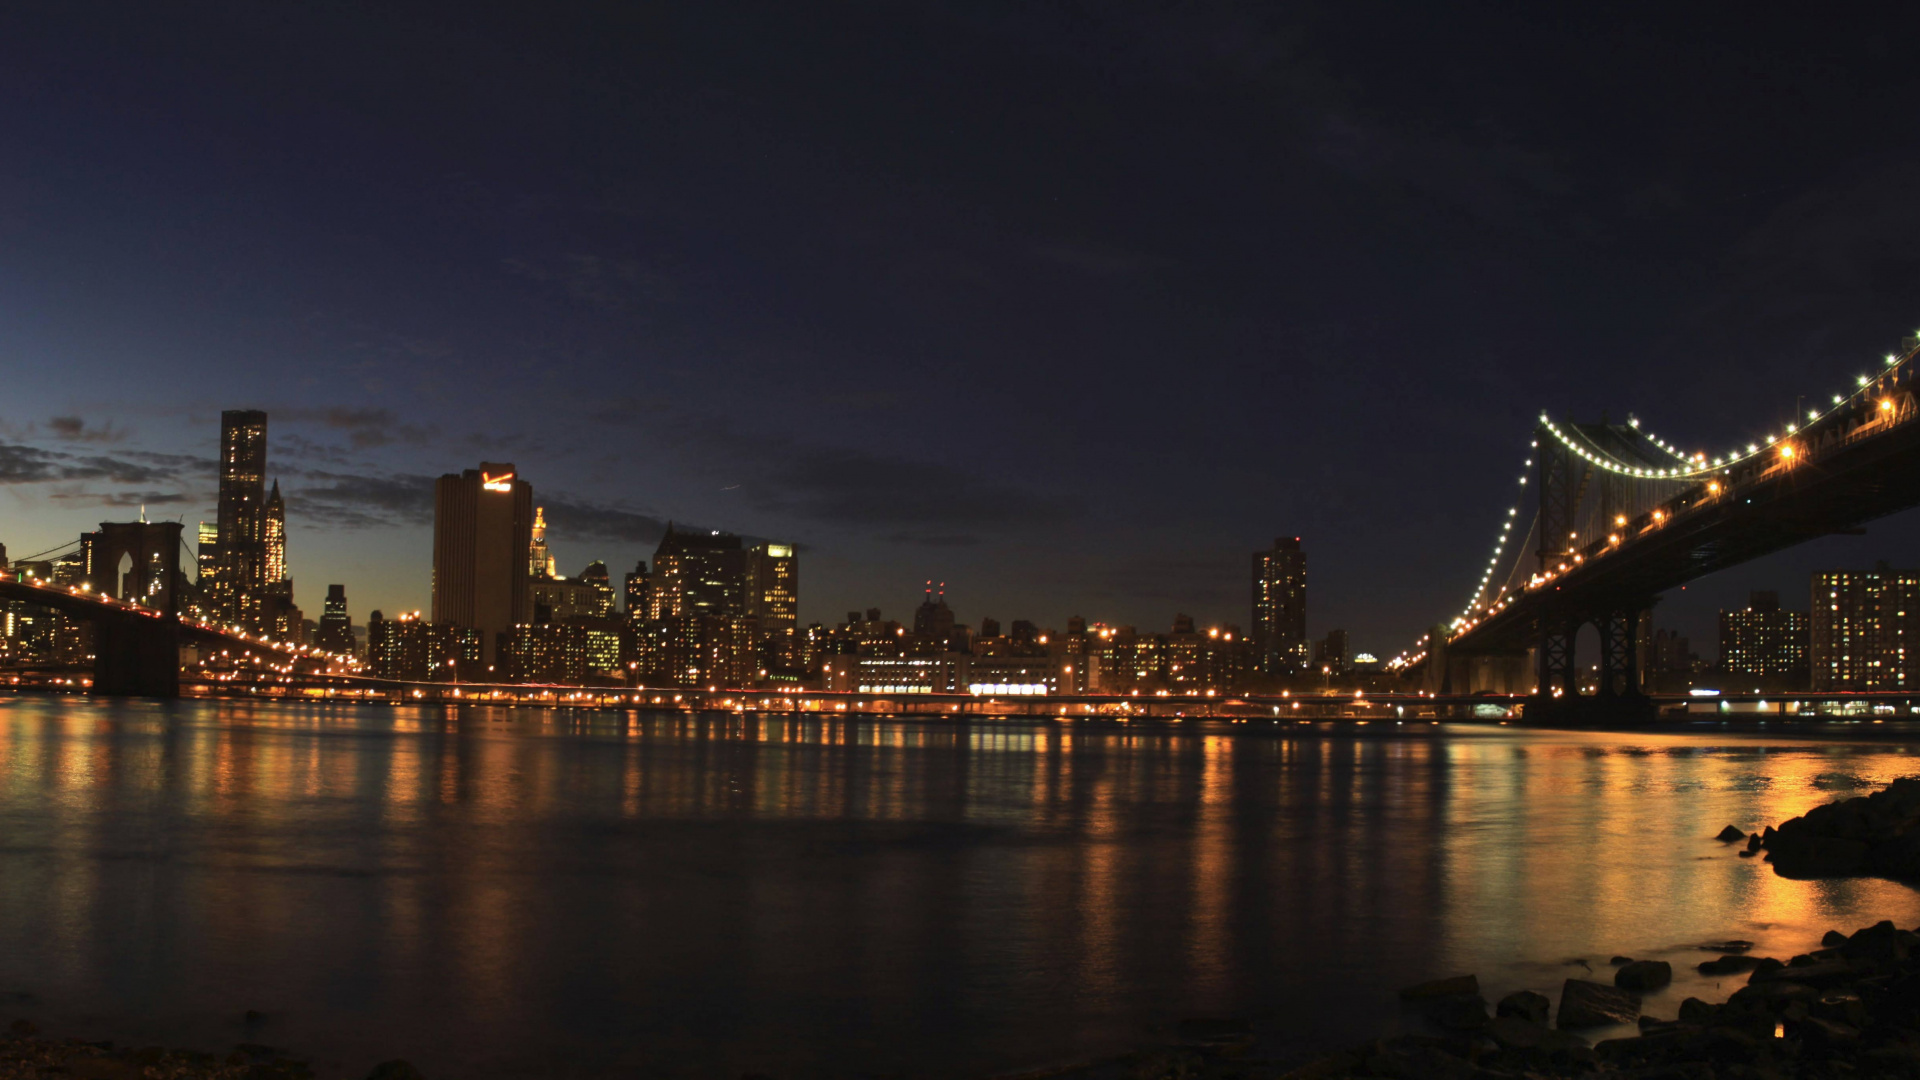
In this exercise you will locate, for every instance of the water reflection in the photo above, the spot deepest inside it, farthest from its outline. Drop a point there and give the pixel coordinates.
(493, 891)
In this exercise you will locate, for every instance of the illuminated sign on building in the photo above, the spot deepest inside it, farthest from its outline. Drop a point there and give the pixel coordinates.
(503, 482)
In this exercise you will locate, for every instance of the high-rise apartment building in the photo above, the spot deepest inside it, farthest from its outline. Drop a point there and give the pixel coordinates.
(1280, 607)
(336, 628)
(1861, 629)
(1764, 641)
(240, 553)
(273, 535)
(482, 534)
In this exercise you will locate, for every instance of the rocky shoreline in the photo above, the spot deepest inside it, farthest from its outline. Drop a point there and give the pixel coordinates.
(25, 1053)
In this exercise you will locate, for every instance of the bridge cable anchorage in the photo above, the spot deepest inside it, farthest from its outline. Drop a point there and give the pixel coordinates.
(1647, 479)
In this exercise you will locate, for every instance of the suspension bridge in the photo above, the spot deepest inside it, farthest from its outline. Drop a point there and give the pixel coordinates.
(1619, 514)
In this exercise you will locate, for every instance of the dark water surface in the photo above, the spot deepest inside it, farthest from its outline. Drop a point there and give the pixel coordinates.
(526, 893)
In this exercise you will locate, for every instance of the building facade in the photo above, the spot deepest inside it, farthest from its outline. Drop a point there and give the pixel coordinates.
(336, 627)
(1862, 629)
(1280, 607)
(482, 536)
(240, 556)
(1765, 643)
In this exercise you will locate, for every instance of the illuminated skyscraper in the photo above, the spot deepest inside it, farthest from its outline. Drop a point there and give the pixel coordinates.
(637, 585)
(698, 574)
(274, 536)
(539, 559)
(241, 523)
(1280, 607)
(773, 588)
(482, 537)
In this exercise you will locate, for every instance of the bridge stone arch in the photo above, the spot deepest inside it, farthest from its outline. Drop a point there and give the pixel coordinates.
(151, 553)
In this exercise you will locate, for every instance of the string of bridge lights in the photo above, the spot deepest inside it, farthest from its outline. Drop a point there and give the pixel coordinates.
(1691, 466)
(1698, 465)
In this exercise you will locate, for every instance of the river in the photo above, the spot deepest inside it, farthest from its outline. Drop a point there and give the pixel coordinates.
(519, 893)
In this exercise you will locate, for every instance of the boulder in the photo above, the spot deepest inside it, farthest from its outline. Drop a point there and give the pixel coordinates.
(1590, 1004)
(1731, 833)
(1455, 986)
(1695, 1011)
(1519, 1033)
(1457, 1013)
(1644, 975)
(1728, 965)
(1526, 1005)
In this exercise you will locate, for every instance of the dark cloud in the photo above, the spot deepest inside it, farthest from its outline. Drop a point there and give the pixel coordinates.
(125, 498)
(75, 429)
(356, 501)
(858, 487)
(21, 464)
(346, 500)
(937, 541)
(364, 428)
(580, 520)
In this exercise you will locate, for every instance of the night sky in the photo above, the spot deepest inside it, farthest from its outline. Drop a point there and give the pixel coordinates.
(1069, 306)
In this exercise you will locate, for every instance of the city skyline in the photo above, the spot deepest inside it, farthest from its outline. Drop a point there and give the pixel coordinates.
(753, 310)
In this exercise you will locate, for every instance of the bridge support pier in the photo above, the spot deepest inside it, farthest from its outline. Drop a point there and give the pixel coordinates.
(136, 656)
(1617, 697)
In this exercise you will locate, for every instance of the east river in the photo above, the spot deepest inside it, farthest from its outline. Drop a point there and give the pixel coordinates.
(548, 893)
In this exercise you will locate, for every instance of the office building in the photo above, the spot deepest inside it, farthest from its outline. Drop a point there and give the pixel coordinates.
(482, 534)
(540, 562)
(240, 557)
(773, 589)
(1859, 636)
(1764, 643)
(933, 619)
(698, 574)
(336, 628)
(1280, 607)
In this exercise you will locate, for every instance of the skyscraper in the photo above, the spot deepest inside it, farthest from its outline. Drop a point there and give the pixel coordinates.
(336, 628)
(1859, 629)
(482, 537)
(539, 559)
(1280, 607)
(698, 574)
(637, 585)
(274, 536)
(241, 520)
(773, 589)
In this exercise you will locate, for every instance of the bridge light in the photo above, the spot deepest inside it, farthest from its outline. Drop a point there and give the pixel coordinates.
(1886, 405)
(1863, 380)
(1837, 399)
(1620, 519)
(1713, 488)
(1892, 359)
(1786, 452)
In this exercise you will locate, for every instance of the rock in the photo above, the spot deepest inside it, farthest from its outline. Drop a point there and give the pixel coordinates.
(1695, 1011)
(1215, 1031)
(1619, 961)
(1748, 853)
(1456, 986)
(1644, 975)
(1728, 946)
(1590, 1004)
(1728, 965)
(1731, 833)
(1457, 1013)
(395, 1070)
(1764, 966)
(1753, 842)
(1519, 1033)
(1526, 1005)
(1818, 856)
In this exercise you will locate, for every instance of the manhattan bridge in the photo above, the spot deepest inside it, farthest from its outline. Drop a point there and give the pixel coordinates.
(1608, 516)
